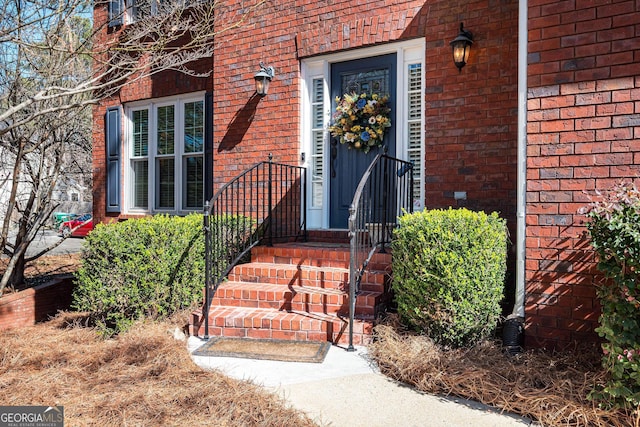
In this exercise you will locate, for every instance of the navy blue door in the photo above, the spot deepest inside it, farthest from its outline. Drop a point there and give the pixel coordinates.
(370, 75)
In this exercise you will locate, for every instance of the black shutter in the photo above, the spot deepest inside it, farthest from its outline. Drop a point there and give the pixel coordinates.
(112, 131)
(208, 146)
(116, 12)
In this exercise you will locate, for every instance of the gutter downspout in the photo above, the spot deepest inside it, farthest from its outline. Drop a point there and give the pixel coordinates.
(518, 309)
(513, 328)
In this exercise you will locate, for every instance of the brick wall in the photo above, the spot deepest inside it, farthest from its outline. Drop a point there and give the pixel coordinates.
(247, 128)
(583, 135)
(35, 304)
(166, 83)
(471, 115)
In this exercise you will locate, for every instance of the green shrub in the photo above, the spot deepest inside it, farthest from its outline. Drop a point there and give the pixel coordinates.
(614, 228)
(143, 268)
(449, 268)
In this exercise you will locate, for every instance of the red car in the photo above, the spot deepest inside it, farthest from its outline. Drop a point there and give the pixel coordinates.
(80, 226)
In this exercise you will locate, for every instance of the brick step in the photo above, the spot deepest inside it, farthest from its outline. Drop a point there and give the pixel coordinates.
(315, 254)
(328, 236)
(262, 323)
(304, 275)
(297, 298)
(297, 291)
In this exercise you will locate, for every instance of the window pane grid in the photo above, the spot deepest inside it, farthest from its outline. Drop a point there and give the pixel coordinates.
(141, 184)
(166, 129)
(174, 180)
(140, 133)
(318, 92)
(317, 116)
(193, 127)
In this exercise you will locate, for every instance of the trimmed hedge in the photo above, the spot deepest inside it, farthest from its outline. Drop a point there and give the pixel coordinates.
(449, 268)
(144, 268)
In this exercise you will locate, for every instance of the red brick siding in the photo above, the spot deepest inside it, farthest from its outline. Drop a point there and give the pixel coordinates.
(247, 128)
(582, 40)
(471, 116)
(582, 131)
(583, 134)
(160, 85)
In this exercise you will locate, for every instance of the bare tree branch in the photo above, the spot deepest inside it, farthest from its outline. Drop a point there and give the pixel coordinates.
(54, 65)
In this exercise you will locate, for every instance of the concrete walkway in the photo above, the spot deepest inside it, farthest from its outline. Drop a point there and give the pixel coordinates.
(348, 390)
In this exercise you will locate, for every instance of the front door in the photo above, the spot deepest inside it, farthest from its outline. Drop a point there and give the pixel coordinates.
(370, 75)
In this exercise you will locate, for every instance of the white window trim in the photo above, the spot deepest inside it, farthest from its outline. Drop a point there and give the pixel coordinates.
(179, 154)
(407, 52)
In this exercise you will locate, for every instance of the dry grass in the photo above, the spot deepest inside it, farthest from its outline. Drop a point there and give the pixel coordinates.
(142, 378)
(551, 389)
(146, 378)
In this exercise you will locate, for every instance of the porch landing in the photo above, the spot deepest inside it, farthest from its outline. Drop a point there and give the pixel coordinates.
(298, 291)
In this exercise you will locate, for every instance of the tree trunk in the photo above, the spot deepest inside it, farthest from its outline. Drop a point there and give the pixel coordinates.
(14, 274)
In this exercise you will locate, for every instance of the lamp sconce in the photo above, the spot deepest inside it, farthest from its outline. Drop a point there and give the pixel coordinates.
(263, 78)
(461, 46)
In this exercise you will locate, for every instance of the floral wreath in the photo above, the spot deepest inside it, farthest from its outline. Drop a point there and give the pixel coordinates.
(360, 121)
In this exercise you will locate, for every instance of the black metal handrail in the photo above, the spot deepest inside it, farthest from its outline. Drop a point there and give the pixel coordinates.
(265, 202)
(384, 193)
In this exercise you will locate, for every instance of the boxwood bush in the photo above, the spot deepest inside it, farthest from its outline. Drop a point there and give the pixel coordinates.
(449, 268)
(141, 268)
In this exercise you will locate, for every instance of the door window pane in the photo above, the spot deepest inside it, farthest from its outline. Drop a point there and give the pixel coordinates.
(317, 143)
(414, 124)
(375, 81)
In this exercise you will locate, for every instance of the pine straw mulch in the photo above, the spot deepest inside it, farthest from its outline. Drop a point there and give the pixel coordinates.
(43, 269)
(143, 378)
(549, 388)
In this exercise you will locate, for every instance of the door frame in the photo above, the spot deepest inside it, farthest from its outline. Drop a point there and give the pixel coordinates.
(319, 69)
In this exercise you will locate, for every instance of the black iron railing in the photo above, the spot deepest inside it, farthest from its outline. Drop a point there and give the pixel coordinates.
(266, 203)
(385, 192)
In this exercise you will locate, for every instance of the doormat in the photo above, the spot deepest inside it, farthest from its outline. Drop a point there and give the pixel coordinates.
(265, 349)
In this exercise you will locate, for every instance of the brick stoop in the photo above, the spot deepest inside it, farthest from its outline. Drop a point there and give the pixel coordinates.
(297, 291)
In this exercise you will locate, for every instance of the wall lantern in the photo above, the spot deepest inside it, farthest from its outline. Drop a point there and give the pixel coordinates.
(263, 78)
(461, 46)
